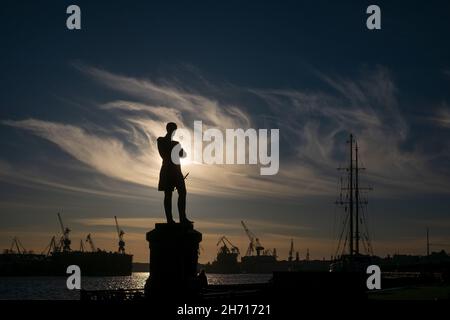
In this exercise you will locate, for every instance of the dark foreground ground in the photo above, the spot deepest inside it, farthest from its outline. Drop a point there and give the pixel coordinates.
(287, 296)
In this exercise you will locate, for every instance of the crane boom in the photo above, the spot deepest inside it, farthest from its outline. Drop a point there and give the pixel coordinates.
(254, 242)
(20, 248)
(65, 241)
(225, 240)
(120, 234)
(250, 235)
(51, 246)
(251, 245)
(117, 227)
(220, 240)
(91, 242)
(61, 223)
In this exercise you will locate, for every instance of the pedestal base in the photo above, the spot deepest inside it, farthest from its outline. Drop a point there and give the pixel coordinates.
(173, 260)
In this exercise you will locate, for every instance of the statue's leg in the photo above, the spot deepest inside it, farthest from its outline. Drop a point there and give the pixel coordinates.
(168, 205)
(182, 203)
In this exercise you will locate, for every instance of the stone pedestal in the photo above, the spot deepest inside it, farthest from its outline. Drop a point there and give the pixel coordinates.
(173, 260)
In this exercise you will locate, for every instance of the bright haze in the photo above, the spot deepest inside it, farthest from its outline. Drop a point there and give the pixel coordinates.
(81, 111)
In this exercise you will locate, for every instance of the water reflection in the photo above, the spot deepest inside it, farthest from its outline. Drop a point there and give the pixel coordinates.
(54, 288)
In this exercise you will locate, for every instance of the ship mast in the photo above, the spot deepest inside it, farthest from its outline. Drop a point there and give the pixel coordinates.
(353, 202)
(351, 196)
(356, 199)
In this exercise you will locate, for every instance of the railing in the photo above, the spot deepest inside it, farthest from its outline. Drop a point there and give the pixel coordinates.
(112, 295)
(210, 293)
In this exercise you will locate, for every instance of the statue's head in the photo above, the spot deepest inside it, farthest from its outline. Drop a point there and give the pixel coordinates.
(171, 127)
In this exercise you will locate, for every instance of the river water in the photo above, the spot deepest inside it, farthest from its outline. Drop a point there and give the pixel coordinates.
(54, 288)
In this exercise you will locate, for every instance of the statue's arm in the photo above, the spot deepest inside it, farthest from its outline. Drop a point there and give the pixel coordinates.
(160, 147)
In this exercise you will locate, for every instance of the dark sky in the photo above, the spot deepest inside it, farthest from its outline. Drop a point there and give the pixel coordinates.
(79, 115)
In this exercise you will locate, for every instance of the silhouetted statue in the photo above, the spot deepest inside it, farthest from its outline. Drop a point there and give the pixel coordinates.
(170, 176)
(202, 279)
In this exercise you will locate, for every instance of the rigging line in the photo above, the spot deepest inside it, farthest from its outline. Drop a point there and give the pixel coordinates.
(366, 234)
(369, 246)
(364, 215)
(344, 223)
(334, 231)
(338, 203)
(366, 225)
(339, 245)
(345, 243)
(369, 250)
(335, 216)
(342, 233)
(364, 244)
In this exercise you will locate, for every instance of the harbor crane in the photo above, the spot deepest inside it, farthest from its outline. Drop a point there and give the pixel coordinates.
(16, 243)
(65, 241)
(225, 240)
(291, 251)
(254, 244)
(120, 234)
(91, 243)
(51, 247)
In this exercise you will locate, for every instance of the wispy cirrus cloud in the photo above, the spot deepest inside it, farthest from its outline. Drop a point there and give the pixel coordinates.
(442, 117)
(179, 100)
(105, 154)
(313, 124)
(367, 107)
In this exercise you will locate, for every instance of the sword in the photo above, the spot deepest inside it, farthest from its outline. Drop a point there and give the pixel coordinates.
(186, 176)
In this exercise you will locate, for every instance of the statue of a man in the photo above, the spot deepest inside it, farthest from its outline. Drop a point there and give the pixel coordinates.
(170, 176)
